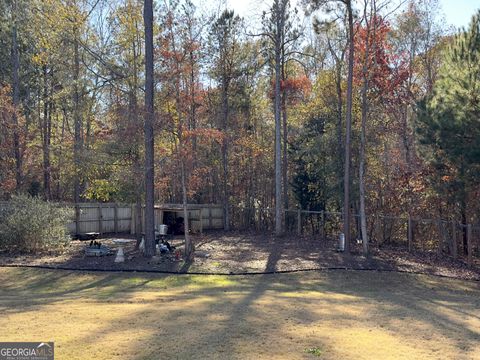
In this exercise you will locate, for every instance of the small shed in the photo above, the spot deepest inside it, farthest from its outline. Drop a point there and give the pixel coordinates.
(200, 216)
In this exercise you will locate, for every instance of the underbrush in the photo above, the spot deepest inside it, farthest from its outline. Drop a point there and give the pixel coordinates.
(30, 225)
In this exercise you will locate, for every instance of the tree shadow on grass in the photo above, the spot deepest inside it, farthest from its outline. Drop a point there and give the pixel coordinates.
(237, 310)
(403, 301)
(246, 306)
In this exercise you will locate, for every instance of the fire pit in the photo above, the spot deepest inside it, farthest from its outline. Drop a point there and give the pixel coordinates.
(97, 249)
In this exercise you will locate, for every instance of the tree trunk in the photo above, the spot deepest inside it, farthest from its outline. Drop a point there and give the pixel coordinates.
(61, 160)
(138, 219)
(193, 120)
(285, 135)
(463, 213)
(225, 105)
(136, 168)
(46, 134)
(338, 81)
(78, 142)
(188, 243)
(148, 131)
(361, 172)
(361, 168)
(16, 100)
(280, 25)
(348, 125)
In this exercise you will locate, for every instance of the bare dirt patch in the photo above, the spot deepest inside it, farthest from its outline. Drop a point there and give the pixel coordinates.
(238, 253)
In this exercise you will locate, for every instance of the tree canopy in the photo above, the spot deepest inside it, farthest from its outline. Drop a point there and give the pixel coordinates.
(357, 107)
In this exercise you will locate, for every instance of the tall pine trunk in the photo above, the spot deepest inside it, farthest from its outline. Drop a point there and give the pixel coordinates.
(280, 25)
(46, 135)
(188, 243)
(148, 131)
(348, 130)
(136, 157)
(361, 168)
(193, 119)
(226, 205)
(78, 142)
(16, 99)
(338, 83)
(285, 134)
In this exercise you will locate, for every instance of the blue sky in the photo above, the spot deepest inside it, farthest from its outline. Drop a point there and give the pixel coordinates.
(459, 12)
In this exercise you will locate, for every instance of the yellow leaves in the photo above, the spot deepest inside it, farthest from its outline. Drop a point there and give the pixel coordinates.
(53, 24)
(128, 24)
(47, 28)
(100, 189)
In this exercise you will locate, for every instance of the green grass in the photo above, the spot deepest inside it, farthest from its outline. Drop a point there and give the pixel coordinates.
(331, 315)
(314, 351)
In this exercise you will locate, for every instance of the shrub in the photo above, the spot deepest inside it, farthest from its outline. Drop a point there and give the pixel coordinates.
(29, 224)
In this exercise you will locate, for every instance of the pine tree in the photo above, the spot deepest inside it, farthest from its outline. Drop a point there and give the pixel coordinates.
(449, 120)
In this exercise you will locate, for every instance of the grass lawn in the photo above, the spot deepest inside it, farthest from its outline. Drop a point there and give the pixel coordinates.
(326, 315)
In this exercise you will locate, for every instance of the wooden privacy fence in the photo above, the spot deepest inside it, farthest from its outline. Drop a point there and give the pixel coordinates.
(121, 218)
(101, 218)
(413, 234)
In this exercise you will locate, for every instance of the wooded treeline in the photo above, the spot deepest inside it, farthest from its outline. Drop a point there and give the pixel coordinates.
(247, 113)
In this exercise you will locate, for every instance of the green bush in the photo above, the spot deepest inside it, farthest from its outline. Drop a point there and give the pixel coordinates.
(29, 224)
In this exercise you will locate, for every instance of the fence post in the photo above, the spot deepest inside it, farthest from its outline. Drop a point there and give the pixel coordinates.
(100, 219)
(133, 225)
(440, 236)
(410, 233)
(378, 228)
(77, 219)
(115, 218)
(469, 245)
(299, 222)
(201, 221)
(210, 219)
(322, 218)
(454, 240)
